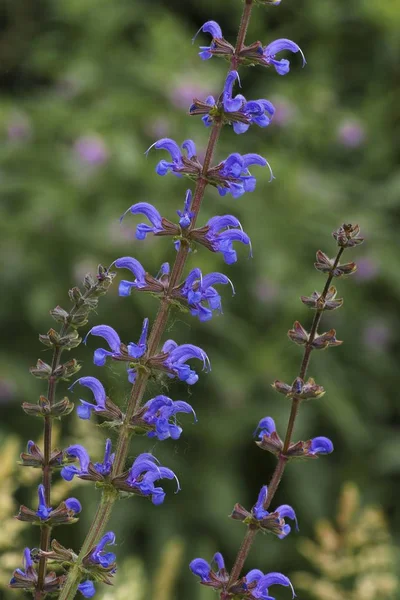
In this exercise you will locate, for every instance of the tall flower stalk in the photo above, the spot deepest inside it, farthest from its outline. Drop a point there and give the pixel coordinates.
(48, 408)
(260, 519)
(196, 293)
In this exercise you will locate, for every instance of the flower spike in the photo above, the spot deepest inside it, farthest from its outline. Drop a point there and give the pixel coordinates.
(160, 413)
(140, 479)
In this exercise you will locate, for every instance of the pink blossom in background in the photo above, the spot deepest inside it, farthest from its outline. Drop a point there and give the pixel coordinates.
(92, 150)
(182, 94)
(285, 111)
(121, 233)
(377, 335)
(266, 291)
(367, 269)
(159, 128)
(351, 133)
(7, 390)
(19, 128)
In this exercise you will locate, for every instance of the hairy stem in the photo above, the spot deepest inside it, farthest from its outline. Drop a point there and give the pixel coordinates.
(282, 460)
(242, 554)
(97, 527)
(244, 24)
(45, 530)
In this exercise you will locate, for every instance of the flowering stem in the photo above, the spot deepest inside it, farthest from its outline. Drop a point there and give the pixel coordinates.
(104, 511)
(45, 530)
(282, 460)
(317, 318)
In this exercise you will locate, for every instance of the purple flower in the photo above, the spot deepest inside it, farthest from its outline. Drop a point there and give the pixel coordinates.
(92, 150)
(79, 452)
(87, 588)
(320, 445)
(283, 511)
(198, 290)
(257, 583)
(144, 208)
(142, 281)
(186, 216)
(265, 427)
(44, 511)
(179, 355)
(237, 110)
(135, 351)
(142, 475)
(161, 413)
(85, 410)
(216, 578)
(214, 30)
(176, 165)
(28, 568)
(282, 66)
(235, 175)
(98, 556)
(222, 241)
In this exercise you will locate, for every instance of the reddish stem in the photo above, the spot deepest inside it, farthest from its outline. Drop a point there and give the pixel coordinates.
(282, 460)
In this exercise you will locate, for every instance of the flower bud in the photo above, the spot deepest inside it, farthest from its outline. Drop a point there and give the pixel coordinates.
(59, 314)
(318, 302)
(298, 334)
(58, 553)
(42, 370)
(300, 389)
(327, 265)
(75, 295)
(67, 370)
(347, 236)
(326, 339)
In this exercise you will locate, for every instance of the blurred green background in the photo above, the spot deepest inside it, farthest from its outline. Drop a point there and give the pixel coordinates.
(86, 87)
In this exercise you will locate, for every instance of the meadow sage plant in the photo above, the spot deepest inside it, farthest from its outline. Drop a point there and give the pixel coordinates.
(56, 570)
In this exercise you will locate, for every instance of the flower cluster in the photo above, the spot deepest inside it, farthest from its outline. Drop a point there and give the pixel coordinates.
(172, 359)
(253, 585)
(217, 235)
(64, 514)
(260, 518)
(270, 441)
(99, 564)
(254, 54)
(141, 476)
(235, 110)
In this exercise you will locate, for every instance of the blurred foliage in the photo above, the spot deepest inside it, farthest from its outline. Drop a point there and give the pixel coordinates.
(355, 556)
(86, 86)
